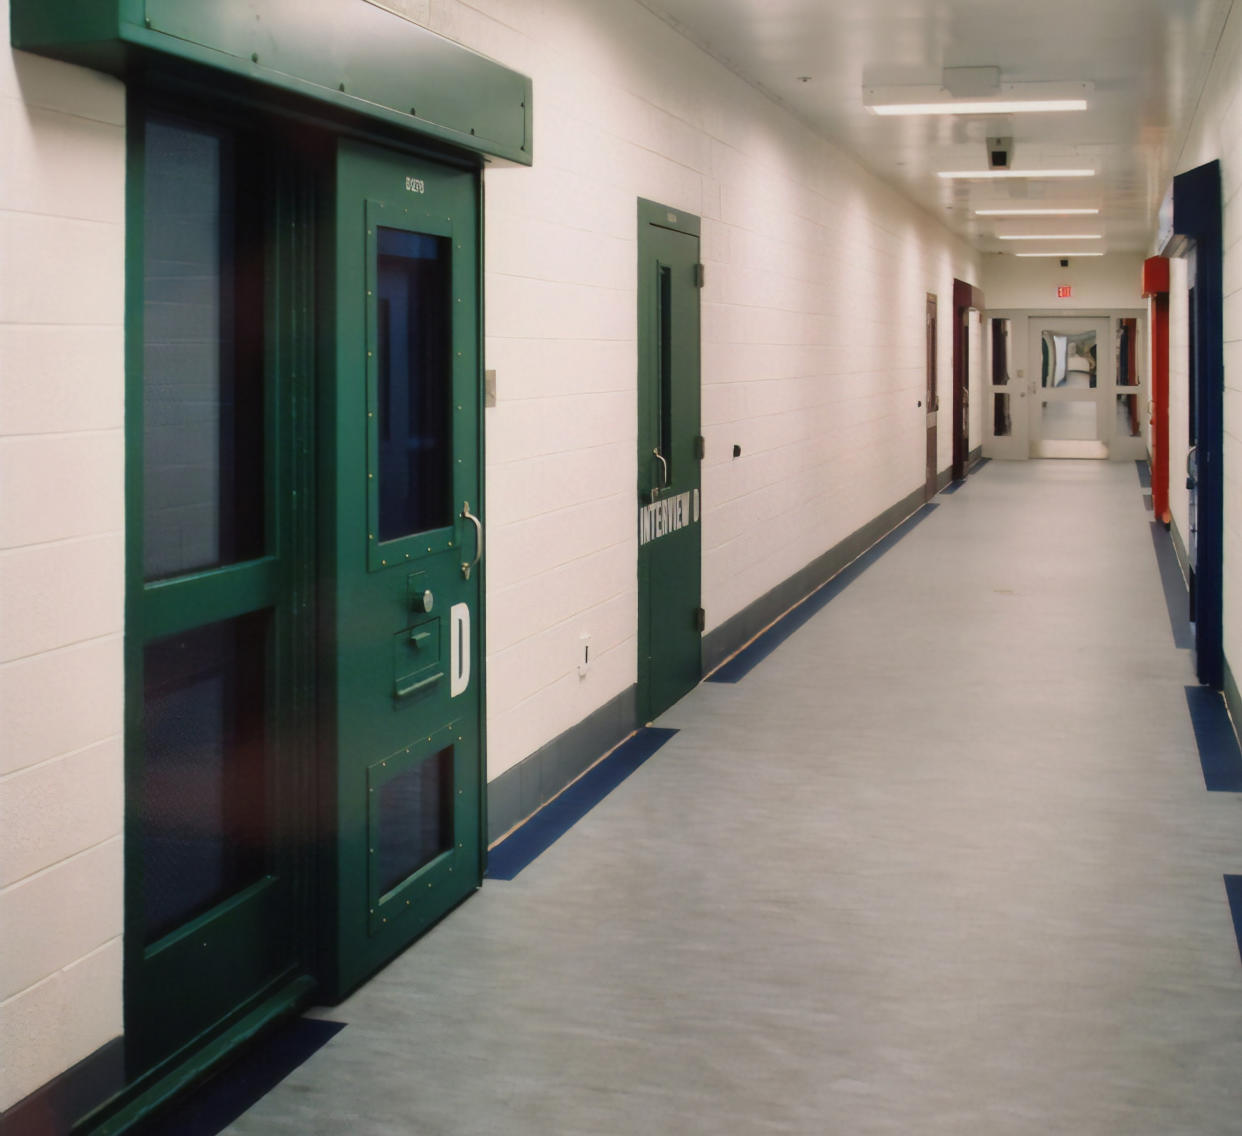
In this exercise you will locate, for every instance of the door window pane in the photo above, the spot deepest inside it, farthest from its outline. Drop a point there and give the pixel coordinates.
(1127, 352)
(202, 354)
(1000, 353)
(414, 372)
(1069, 360)
(203, 780)
(415, 818)
(1001, 425)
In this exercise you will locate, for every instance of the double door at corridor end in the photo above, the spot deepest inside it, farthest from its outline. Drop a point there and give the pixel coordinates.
(1065, 386)
(304, 736)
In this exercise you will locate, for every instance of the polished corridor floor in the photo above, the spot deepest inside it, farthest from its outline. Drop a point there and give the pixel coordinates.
(943, 863)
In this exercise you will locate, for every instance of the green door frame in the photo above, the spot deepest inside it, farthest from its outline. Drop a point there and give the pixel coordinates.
(670, 453)
(172, 1026)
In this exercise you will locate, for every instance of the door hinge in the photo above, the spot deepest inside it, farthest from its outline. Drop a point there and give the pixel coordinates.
(700, 275)
(700, 619)
(700, 447)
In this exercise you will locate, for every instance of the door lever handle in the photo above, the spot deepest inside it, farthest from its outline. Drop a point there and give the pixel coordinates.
(469, 565)
(663, 467)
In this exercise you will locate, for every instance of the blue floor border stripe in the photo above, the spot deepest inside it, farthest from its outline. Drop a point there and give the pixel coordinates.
(1218, 745)
(1176, 598)
(1233, 889)
(1144, 472)
(750, 656)
(222, 1099)
(526, 843)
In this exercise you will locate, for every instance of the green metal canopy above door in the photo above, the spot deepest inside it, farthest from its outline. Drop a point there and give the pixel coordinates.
(355, 55)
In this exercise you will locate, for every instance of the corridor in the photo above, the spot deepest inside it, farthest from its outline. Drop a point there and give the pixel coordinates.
(942, 863)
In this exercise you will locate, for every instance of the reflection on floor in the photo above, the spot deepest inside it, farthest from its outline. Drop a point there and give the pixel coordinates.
(942, 863)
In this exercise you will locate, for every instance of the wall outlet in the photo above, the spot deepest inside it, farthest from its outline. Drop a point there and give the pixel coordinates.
(584, 654)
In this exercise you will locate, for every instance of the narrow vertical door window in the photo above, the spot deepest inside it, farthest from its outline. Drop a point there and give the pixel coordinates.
(414, 372)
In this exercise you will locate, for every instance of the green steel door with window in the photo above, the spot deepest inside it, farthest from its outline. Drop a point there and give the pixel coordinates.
(669, 454)
(401, 478)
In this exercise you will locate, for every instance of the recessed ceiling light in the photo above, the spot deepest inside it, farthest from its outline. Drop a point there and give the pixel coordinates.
(973, 174)
(1036, 212)
(1063, 255)
(1049, 236)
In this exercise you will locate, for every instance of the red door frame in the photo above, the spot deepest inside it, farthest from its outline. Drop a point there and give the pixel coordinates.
(1156, 288)
(965, 297)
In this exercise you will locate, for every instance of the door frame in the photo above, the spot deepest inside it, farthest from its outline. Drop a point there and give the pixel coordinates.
(654, 216)
(1197, 222)
(150, 609)
(931, 479)
(966, 298)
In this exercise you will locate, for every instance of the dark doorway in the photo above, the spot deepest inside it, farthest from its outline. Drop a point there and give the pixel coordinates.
(965, 298)
(930, 485)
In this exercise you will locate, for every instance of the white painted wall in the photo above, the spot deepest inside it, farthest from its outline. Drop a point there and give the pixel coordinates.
(813, 343)
(1098, 284)
(813, 355)
(1217, 133)
(62, 213)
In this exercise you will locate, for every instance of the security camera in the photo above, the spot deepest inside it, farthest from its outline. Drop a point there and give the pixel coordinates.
(1000, 153)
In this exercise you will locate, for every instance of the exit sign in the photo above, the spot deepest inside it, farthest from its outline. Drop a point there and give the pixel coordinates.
(1064, 291)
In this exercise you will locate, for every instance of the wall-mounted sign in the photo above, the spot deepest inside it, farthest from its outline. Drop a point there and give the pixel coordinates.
(1064, 291)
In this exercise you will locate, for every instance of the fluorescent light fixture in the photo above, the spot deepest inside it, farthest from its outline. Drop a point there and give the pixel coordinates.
(980, 106)
(1036, 212)
(1049, 236)
(995, 98)
(1062, 255)
(976, 174)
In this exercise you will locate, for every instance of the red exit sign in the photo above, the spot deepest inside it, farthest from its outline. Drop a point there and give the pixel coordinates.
(1064, 291)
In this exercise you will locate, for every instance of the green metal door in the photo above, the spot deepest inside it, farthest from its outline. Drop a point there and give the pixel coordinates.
(401, 474)
(670, 620)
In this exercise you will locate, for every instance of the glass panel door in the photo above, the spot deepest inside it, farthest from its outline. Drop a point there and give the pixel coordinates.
(1006, 428)
(1073, 373)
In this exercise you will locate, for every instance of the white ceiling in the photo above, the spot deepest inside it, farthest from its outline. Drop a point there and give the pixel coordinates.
(1148, 61)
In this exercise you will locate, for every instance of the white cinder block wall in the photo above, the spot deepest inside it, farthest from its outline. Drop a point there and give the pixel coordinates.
(62, 508)
(1217, 133)
(813, 347)
(813, 343)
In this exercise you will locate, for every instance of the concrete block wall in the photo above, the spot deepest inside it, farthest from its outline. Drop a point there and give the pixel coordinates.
(813, 354)
(813, 342)
(62, 509)
(1216, 133)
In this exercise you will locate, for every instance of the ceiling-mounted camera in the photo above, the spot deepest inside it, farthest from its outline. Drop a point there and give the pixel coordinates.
(1000, 153)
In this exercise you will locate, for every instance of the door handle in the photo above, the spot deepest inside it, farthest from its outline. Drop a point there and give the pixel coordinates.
(468, 566)
(404, 690)
(663, 466)
(655, 489)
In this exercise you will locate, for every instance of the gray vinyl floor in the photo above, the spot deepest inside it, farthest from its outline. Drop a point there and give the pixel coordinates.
(943, 863)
